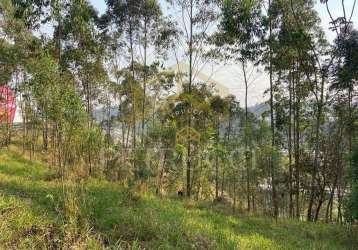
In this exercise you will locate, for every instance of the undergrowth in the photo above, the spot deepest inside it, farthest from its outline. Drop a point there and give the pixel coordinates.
(39, 211)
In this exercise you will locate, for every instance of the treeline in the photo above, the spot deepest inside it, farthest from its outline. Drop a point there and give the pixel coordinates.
(69, 66)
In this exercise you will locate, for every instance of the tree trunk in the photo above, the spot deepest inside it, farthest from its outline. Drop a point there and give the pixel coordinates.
(330, 201)
(297, 147)
(246, 127)
(216, 177)
(45, 133)
(188, 166)
(317, 149)
(222, 182)
(144, 79)
(290, 150)
(132, 87)
(273, 142)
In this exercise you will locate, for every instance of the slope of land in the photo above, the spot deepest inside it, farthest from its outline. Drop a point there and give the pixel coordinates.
(38, 211)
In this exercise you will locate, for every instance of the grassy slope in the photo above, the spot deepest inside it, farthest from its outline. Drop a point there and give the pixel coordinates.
(96, 214)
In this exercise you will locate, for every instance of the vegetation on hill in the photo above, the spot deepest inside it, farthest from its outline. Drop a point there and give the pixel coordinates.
(112, 181)
(36, 213)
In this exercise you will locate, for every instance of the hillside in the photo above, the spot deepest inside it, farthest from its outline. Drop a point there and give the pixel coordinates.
(37, 211)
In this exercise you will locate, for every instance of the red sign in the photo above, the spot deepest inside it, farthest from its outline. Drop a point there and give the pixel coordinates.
(7, 105)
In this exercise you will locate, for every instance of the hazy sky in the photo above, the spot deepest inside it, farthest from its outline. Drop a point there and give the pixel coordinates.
(231, 76)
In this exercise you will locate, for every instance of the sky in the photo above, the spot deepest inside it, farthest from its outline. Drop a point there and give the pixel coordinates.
(231, 76)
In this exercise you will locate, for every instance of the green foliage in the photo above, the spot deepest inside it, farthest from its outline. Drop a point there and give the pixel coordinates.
(352, 200)
(95, 84)
(143, 171)
(346, 71)
(31, 11)
(7, 61)
(241, 28)
(96, 214)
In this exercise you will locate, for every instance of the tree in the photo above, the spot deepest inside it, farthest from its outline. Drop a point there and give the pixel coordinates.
(197, 16)
(352, 199)
(239, 31)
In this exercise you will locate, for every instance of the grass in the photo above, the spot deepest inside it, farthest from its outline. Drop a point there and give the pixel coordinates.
(38, 211)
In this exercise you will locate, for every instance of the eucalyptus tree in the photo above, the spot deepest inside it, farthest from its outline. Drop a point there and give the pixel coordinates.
(272, 121)
(288, 59)
(218, 107)
(203, 132)
(83, 55)
(45, 90)
(31, 12)
(352, 200)
(46, 93)
(240, 30)
(345, 73)
(119, 93)
(343, 86)
(301, 41)
(318, 46)
(34, 14)
(194, 20)
(232, 144)
(150, 22)
(343, 80)
(8, 65)
(125, 16)
(161, 130)
(16, 41)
